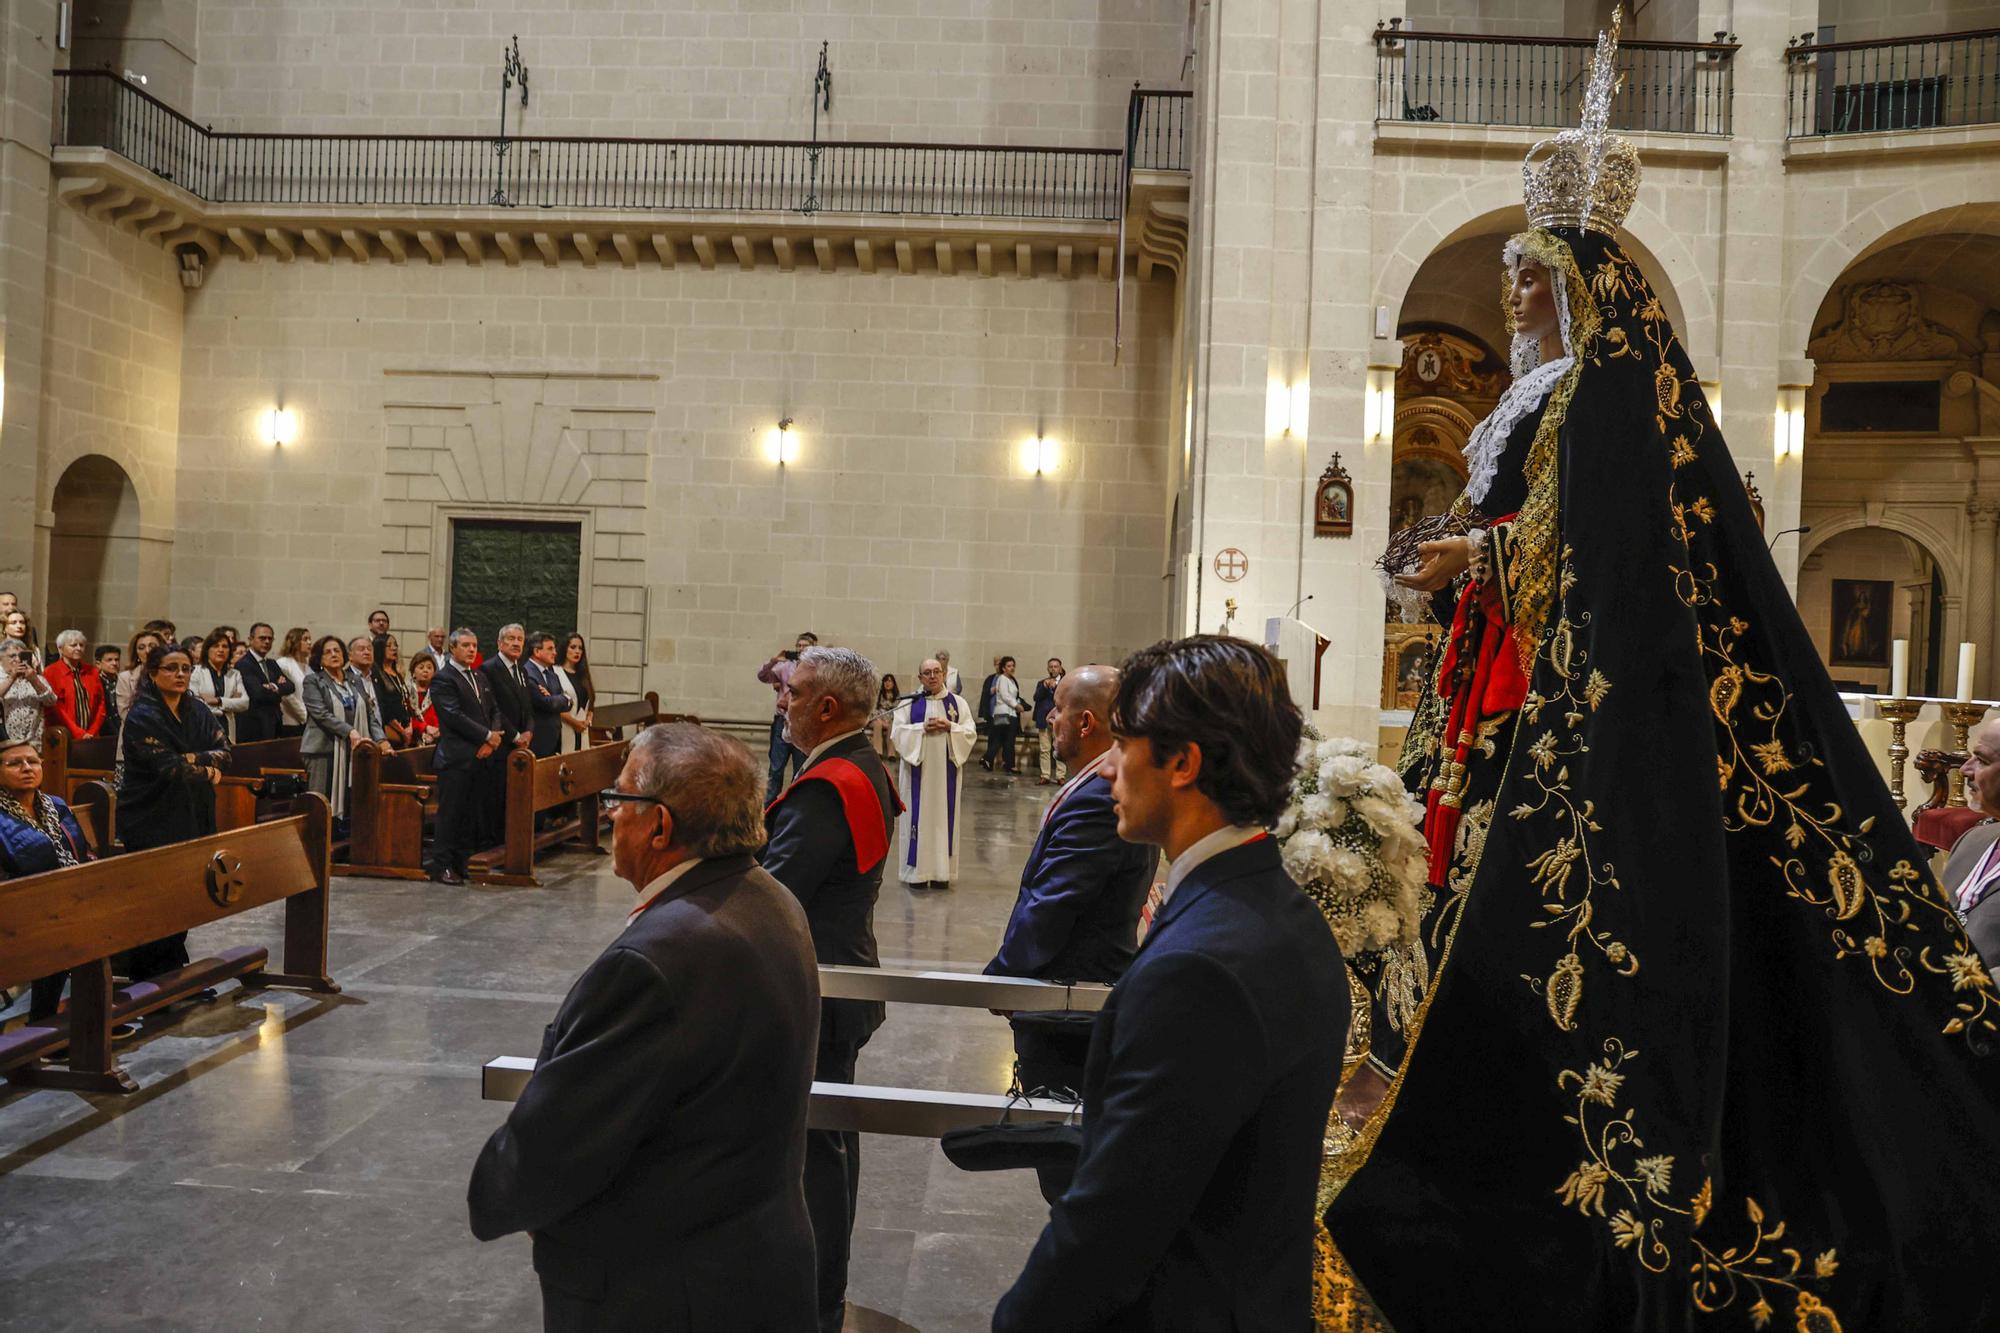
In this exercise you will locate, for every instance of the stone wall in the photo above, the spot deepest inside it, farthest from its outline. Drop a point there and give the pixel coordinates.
(906, 523)
(959, 71)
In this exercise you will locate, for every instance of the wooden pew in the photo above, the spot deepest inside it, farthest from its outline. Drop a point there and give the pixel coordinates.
(68, 763)
(535, 785)
(76, 919)
(610, 722)
(386, 809)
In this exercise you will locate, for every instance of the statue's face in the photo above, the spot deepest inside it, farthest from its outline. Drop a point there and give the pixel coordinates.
(1533, 297)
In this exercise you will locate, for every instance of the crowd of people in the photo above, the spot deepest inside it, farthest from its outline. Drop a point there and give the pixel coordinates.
(659, 1155)
(176, 706)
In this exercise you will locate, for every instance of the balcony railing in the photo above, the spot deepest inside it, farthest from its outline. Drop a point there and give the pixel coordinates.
(101, 110)
(1470, 79)
(1913, 83)
(1156, 129)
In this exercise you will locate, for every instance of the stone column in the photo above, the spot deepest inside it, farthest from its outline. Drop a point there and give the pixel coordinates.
(1750, 302)
(1984, 513)
(27, 53)
(1278, 331)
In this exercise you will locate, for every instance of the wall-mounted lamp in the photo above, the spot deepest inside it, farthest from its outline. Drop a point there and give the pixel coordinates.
(1378, 413)
(1287, 409)
(1788, 423)
(278, 426)
(1040, 455)
(785, 443)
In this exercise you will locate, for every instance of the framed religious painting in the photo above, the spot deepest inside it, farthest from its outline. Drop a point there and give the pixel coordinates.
(1859, 635)
(1406, 663)
(1333, 503)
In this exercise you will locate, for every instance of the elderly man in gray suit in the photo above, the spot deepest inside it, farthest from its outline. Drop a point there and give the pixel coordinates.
(1971, 876)
(657, 1152)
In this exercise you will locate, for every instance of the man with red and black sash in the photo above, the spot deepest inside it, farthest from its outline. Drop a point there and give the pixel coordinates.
(830, 834)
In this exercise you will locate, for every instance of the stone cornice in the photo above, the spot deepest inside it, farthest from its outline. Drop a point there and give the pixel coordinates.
(104, 185)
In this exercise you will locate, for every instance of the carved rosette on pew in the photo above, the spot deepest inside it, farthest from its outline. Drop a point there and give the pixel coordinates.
(76, 919)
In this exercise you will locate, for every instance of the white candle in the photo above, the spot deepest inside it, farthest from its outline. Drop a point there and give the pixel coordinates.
(1966, 656)
(1899, 670)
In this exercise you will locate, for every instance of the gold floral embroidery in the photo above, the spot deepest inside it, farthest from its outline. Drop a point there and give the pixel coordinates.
(1614, 1172)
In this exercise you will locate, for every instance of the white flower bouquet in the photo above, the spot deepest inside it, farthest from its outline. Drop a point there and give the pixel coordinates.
(1353, 839)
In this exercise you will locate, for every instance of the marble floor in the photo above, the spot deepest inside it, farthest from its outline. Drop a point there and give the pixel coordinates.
(298, 1162)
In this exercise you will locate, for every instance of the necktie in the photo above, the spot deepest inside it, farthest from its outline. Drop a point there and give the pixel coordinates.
(1154, 896)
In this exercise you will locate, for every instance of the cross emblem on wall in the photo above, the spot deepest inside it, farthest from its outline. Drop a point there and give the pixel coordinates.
(1231, 565)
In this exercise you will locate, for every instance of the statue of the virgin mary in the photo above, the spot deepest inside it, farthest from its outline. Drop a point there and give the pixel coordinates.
(1693, 1039)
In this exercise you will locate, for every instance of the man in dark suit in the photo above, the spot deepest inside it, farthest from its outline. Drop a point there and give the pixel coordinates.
(830, 835)
(468, 737)
(514, 714)
(265, 684)
(1213, 1065)
(546, 699)
(1077, 916)
(655, 1155)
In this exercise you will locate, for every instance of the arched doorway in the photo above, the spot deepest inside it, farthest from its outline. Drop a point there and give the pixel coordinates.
(93, 552)
(1861, 590)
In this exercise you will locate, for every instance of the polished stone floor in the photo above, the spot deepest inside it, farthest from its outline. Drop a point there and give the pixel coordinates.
(299, 1163)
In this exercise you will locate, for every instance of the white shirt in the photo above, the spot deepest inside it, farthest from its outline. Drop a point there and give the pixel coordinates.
(826, 745)
(1224, 839)
(659, 885)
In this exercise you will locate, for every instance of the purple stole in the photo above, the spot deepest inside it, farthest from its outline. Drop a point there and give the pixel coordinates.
(950, 782)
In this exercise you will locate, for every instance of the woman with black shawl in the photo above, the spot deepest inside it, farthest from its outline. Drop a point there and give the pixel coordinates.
(1694, 1033)
(174, 751)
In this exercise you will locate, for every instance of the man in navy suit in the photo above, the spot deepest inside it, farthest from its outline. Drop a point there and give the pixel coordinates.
(514, 714)
(545, 694)
(1214, 1064)
(830, 835)
(468, 736)
(1077, 916)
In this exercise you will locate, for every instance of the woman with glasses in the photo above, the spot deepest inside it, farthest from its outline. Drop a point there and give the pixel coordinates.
(423, 712)
(24, 692)
(37, 833)
(174, 751)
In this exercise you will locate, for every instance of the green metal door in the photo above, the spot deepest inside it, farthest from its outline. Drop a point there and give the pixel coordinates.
(505, 571)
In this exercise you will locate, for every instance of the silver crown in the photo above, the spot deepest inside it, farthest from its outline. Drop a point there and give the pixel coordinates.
(1585, 177)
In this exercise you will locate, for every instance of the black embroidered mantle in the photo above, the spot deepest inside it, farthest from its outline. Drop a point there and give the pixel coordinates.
(1705, 1046)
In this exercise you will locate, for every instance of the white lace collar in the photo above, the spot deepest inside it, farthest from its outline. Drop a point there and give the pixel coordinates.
(1489, 437)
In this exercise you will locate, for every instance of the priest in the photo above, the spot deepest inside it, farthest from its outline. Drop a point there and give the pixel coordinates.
(934, 734)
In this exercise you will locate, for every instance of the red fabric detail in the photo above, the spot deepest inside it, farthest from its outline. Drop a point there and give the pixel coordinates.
(1943, 827)
(858, 801)
(1493, 685)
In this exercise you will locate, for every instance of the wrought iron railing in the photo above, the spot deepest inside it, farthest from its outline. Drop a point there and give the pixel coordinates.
(1911, 83)
(1472, 79)
(101, 110)
(1156, 129)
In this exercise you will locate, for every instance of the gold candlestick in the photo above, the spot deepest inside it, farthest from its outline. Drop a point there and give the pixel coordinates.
(1962, 718)
(1900, 712)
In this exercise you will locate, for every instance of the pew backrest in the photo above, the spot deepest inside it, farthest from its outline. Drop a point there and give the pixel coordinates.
(65, 918)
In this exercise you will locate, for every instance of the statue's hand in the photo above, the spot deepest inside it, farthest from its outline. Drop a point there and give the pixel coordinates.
(1438, 563)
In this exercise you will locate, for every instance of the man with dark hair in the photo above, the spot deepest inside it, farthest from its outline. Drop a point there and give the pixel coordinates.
(545, 694)
(1213, 1064)
(108, 664)
(777, 673)
(378, 622)
(266, 685)
(830, 833)
(655, 1155)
